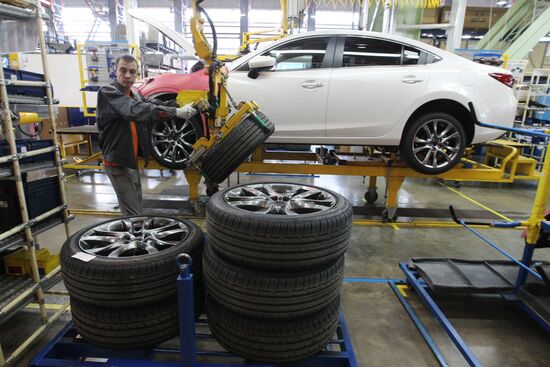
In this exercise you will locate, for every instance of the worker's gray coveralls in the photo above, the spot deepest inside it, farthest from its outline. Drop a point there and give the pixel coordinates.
(114, 114)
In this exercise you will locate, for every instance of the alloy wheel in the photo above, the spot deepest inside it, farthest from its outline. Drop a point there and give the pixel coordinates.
(281, 199)
(133, 236)
(436, 143)
(172, 140)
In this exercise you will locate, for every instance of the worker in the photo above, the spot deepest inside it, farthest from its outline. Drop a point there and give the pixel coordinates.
(124, 118)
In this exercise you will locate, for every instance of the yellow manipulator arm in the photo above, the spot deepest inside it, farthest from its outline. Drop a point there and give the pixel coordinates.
(202, 47)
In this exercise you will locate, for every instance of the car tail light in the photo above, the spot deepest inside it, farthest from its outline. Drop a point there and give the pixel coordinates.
(506, 79)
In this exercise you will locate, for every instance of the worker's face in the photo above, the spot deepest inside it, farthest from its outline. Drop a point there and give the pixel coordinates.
(126, 73)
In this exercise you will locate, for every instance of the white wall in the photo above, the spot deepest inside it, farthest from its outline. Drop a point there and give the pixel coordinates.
(64, 75)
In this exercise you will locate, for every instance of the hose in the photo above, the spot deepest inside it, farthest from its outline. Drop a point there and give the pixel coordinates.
(40, 128)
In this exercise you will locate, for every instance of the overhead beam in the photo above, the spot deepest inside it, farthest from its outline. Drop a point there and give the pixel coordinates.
(514, 16)
(520, 48)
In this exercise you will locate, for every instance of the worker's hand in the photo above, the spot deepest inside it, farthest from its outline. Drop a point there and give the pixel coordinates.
(201, 105)
(186, 112)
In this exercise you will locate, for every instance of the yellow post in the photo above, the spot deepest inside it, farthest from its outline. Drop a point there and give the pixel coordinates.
(193, 179)
(541, 200)
(284, 16)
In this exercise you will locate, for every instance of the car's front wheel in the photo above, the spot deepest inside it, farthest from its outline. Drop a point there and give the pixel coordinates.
(433, 143)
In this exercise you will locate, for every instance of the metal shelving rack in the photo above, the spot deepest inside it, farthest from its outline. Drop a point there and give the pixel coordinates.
(24, 233)
(533, 87)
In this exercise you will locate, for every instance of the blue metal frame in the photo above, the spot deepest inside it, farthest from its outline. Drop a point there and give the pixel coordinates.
(420, 326)
(65, 350)
(421, 289)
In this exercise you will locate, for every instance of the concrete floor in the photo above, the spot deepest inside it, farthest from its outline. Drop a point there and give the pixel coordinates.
(381, 332)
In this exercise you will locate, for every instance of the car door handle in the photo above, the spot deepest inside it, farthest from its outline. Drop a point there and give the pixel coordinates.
(311, 84)
(411, 79)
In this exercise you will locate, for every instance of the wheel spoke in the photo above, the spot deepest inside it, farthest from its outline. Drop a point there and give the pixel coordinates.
(453, 135)
(418, 140)
(159, 133)
(445, 131)
(427, 131)
(445, 155)
(434, 160)
(452, 149)
(421, 148)
(427, 157)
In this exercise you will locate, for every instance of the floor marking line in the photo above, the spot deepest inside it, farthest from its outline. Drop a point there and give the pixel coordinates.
(477, 203)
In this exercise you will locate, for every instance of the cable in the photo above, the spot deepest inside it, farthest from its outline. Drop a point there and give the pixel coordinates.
(40, 128)
(214, 34)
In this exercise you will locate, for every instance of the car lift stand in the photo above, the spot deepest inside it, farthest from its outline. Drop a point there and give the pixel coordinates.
(68, 349)
(512, 284)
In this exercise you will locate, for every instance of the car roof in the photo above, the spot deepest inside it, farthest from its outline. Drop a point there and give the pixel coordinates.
(394, 37)
(335, 32)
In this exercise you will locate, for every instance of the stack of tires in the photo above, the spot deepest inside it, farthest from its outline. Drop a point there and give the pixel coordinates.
(273, 268)
(121, 277)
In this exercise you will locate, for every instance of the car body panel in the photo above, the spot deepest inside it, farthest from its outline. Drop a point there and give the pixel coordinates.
(365, 105)
(286, 100)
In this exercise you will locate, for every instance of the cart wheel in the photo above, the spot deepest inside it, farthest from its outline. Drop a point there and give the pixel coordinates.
(371, 196)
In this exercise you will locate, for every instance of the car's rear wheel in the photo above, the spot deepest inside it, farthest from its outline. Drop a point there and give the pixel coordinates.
(433, 143)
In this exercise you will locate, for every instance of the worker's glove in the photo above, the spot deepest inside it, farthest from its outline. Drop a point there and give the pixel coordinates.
(186, 112)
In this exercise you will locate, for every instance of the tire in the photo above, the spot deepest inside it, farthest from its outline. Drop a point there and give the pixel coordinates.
(265, 295)
(220, 161)
(275, 242)
(424, 137)
(166, 147)
(129, 281)
(142, 326)
(272, 341)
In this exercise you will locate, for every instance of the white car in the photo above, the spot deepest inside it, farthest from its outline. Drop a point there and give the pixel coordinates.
(366, 88)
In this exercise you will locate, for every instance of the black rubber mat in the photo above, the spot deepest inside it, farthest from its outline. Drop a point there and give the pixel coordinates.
(466, 276)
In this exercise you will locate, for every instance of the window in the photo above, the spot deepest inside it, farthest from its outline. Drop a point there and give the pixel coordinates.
(411, 56)
(303, 54)
(360, 51)
(308, 53)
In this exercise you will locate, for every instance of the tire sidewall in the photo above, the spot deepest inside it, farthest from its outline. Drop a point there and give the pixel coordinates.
(406, 149)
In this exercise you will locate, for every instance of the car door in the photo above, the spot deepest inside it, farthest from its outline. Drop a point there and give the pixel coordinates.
(294, 93)
(374, 83)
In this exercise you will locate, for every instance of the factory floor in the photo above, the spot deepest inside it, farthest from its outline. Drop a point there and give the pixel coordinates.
(382, 333)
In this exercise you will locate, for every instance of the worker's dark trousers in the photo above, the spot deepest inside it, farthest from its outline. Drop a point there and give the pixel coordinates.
(127, 185)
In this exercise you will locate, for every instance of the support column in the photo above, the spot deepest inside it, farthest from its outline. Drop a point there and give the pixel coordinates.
(311, 10)
(454, 33)
(179, 16)
(113, 20)
(132, 34)
(363, 15)
(244, 18)
(386, 20)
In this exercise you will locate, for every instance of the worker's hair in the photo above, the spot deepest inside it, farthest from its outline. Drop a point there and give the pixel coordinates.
(127, 58)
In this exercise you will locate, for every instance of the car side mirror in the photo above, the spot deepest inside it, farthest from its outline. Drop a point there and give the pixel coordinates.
(260, 63)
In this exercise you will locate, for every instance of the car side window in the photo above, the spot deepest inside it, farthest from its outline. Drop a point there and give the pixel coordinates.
(411, 56)
(302, 54)
(361, 51)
